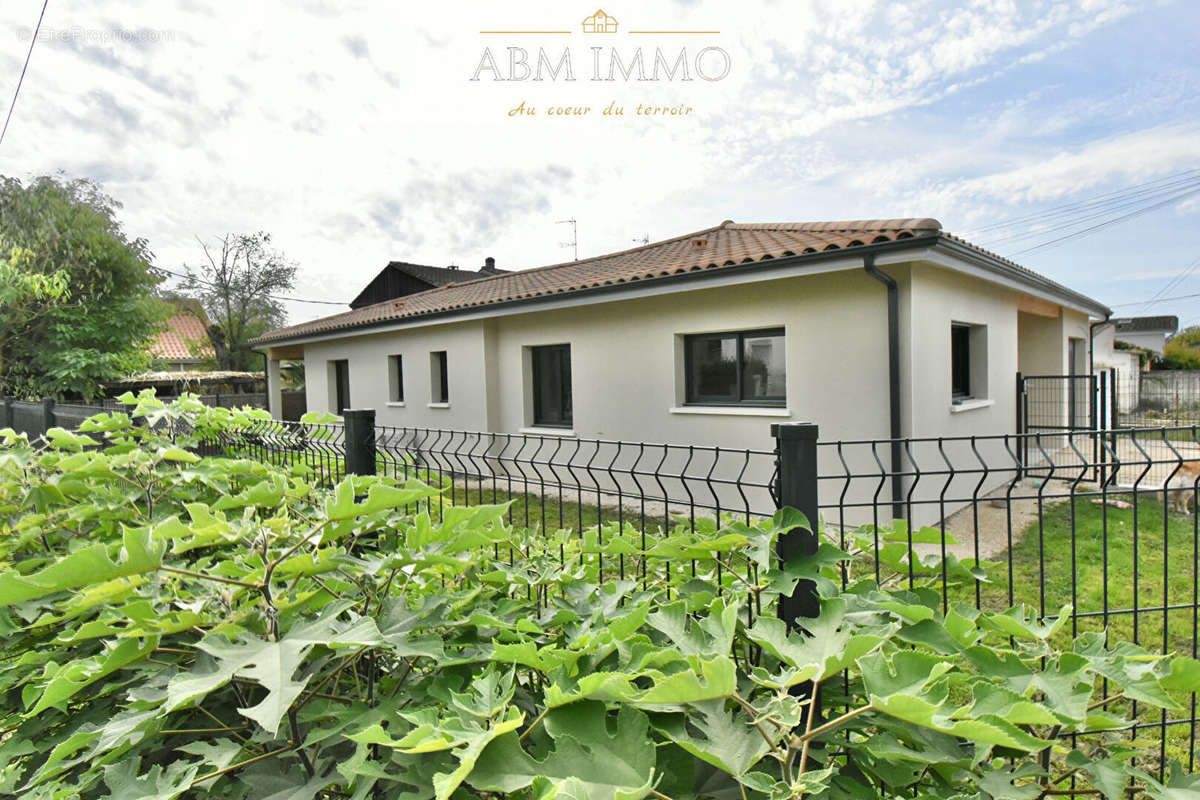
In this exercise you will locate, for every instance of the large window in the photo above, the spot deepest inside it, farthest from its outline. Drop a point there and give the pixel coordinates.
(439, 380)
(742, 368)
(395, 379)
(552, 385)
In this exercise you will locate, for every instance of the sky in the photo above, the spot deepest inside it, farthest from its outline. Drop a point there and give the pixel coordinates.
(355, 135)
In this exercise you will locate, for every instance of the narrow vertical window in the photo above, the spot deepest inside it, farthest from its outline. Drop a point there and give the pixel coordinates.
(341, 384)
(552, 386)
(396, 379)
(960, 362)
(439, 381)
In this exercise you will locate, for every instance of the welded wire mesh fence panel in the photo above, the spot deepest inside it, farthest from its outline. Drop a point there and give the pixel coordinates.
(318, 448)
(1105, 533)
(568, 482)
(1167, 397)
(600, 494)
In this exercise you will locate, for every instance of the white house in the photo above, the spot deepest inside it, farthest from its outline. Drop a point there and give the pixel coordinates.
(869, 328)
(1148, 333)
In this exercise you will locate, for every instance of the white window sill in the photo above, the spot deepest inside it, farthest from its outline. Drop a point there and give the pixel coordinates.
(439, 405)
(396, 404)
(733, 411)
(565, 432)
(970, 405)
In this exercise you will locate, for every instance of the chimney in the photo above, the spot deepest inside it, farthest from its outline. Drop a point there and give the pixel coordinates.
(489, 263)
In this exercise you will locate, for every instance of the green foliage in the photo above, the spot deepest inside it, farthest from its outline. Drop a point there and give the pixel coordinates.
(68, 231)
(1182, 350)
(179, 626)
(25, 296)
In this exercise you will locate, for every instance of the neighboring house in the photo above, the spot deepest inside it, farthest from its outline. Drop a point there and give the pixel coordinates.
(708, 337)
(1127, 363)
(399, 279)
(1148, 333)
(183, 344)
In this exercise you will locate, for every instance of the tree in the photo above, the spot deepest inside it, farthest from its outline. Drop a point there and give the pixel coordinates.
(1182, 351)
(66, 231)
(237, 289)
(25, 296)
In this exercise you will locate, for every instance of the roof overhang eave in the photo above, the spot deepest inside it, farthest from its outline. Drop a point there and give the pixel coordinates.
(936, 242)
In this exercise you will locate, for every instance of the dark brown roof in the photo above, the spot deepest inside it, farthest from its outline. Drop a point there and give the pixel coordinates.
(725, 245)
(1146, 324)
(424, 274)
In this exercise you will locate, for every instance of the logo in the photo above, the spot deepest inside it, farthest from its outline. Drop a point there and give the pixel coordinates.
(638, 56)
(600, 23)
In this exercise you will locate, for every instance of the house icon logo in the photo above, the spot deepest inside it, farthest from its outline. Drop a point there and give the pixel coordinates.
(600, 23)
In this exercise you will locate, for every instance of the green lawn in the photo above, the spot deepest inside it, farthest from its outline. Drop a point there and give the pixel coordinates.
(1119, 560)
(1093, 565)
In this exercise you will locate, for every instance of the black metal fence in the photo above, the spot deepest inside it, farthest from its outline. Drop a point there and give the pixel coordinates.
(1105, 533)
(1100, 529)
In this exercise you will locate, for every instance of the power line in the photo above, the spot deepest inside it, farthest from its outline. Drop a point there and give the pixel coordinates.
(1078, 205)
(272, 296)
(1107, 223)
(21, 80)
(1159, 300)
(1099, 211)
(1176, 281)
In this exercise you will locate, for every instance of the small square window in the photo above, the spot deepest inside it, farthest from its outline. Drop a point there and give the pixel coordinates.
(439, 381)
(552, 385)
(396, 379)
(740, 368)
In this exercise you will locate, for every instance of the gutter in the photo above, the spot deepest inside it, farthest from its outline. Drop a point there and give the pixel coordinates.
(893, 311)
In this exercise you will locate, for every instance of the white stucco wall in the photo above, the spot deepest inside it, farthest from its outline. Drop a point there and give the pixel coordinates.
(1154, 341)
(368, 354)
(626, 360)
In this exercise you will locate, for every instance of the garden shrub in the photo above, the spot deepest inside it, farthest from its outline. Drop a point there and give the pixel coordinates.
(178, 626)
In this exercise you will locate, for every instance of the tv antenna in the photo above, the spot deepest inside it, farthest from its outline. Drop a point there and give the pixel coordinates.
(574, 243)
(643, 240)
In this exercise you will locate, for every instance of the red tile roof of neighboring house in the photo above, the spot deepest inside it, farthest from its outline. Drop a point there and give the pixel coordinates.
(724, 245)
(172, 343)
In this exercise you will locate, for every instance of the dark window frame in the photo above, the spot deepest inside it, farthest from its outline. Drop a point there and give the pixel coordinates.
(341, 381)
(443, 364)
(960, 362)
(692, 398)
(566, 406)
(396, 390)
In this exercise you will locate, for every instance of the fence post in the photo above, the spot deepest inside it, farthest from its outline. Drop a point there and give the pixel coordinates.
(1022, 421)
(47, 414)
(796, 444)
(360, 441)
(8, 411)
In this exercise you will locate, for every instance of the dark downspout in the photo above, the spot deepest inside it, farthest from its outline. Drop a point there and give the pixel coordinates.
(893, 304)
(1092, 341)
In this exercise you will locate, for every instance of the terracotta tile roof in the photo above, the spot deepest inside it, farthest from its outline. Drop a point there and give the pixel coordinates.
(725, 245)
(172, 343)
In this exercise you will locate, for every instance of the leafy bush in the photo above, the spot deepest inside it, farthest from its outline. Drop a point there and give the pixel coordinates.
(216, 627)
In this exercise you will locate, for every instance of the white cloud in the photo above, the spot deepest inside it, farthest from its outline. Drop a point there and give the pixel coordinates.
(353, 134)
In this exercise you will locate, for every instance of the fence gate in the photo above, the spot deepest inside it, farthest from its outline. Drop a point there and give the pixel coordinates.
(1066, 411)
